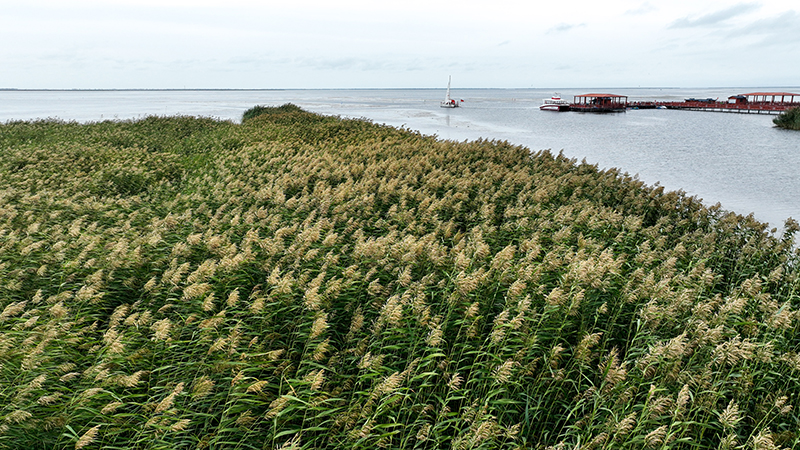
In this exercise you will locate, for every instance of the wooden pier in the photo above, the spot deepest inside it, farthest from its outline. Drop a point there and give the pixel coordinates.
(752, 103)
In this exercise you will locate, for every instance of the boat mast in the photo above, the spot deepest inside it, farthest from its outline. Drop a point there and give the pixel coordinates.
(447, 98)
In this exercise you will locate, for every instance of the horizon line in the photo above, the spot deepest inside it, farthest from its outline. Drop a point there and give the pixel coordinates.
(370, 88)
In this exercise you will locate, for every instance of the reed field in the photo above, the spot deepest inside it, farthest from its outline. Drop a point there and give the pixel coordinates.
(309, 282)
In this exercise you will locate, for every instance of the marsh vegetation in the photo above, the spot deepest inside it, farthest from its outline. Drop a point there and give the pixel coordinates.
(299, 281)
(789, 119)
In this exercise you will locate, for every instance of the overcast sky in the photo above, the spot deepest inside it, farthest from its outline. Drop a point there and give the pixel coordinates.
(398, 43)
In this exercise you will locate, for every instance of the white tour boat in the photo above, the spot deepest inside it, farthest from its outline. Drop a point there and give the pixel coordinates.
(449, 102)
(555, 103)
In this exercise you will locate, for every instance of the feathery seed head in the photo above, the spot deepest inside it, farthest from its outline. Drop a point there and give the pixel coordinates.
(729, 442)
(625, 425)
(516, 289)
(202, 387)
(556, 297)
(583, 352)
(729, 418)
(161, 330)
(321, 350)
(683, 398)
(132, 380)
(87, 437)
(656, 437)
(180, 425)
(110, 407)
(434, 338)
(275, 354)
(782, 405)
(168, 401)
(319, 326)
(472, 311)
(196, 290)
(151, 285)
(58, 310)
(12, 310)
(502, 373)
(208, 302)
(455, 382)
(257, 387)
(388, 385)
(764, 441)
(498, 330)
(49, 399)
(316, 378)
(233, 298)
(276, 407)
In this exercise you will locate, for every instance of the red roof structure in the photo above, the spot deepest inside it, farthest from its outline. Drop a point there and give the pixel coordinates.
(601, 95)
(768, 97)
(786, 94)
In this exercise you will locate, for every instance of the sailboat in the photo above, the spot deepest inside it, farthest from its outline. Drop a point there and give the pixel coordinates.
(448, 102)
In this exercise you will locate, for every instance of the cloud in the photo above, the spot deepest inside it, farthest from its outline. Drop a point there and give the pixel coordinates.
(781, 31)
(717, 17)
(786, 24)
(564, 27)
(644, 8)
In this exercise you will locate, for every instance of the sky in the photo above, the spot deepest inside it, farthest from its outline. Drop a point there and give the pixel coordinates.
(246, 44)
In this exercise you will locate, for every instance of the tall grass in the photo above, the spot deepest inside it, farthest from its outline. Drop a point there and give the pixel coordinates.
(300, 281)
(259, 110)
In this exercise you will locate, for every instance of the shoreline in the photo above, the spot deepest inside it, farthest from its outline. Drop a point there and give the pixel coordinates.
(696, 153)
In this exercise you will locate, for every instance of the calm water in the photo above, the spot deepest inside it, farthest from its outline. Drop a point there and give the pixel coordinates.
(738, 160)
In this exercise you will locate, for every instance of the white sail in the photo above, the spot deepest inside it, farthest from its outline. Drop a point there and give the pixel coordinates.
(449, 102)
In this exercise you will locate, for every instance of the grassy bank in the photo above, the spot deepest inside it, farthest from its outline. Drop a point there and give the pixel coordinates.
(788, 119)
(300, 281)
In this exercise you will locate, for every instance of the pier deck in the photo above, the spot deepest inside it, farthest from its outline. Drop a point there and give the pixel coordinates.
(752, 103)
(747, 108)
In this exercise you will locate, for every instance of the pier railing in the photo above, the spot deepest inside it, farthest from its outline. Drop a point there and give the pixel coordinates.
(754, 102)
(744, 107)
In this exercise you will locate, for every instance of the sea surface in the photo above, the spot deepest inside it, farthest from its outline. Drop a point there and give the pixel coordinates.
(741, 161)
